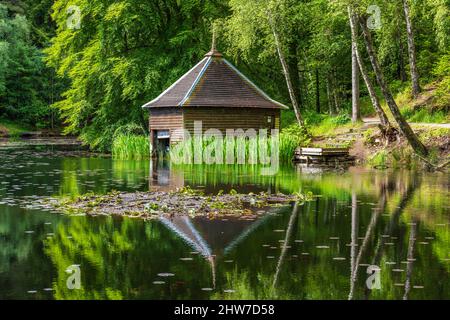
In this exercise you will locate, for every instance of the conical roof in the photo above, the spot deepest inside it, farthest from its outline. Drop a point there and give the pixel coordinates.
(214, 82)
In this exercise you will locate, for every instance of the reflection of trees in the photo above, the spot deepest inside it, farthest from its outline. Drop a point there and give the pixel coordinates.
(395, 217)
(248, 179)
(120, 258)
(23, 265)
(354, 243)
(370, 229)
(131, 173)
(69, 180)
(410, 257)
(99, 175)
(286, 242)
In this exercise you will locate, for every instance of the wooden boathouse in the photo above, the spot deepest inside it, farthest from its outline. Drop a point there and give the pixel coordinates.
(216, 93)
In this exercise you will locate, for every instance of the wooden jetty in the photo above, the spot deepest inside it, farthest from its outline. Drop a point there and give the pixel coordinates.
(324, 156)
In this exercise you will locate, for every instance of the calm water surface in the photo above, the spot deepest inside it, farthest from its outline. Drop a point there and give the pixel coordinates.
(398, 221)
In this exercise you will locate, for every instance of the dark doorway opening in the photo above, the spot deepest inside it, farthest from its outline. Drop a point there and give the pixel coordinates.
(162, 142)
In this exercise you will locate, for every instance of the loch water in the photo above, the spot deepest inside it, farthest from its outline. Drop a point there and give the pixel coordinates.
(367, 234)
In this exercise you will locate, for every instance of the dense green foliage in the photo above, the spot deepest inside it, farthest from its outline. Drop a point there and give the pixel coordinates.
(25, 89)
(126, 52)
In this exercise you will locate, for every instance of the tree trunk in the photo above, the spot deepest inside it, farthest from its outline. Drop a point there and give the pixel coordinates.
(294, 71)
(404, 127)
(356, 108)
(401, 61)
(330, 97)
(385, 124)
(287, 76)
(411, 51)
(303, 85)
(317, 91)
(335, 91)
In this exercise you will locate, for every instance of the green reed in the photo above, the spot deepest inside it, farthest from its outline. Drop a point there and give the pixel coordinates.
(237, 149)
(131, 146)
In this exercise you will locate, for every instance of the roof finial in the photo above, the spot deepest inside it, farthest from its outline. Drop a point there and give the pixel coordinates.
(214, 34)
(214, 52)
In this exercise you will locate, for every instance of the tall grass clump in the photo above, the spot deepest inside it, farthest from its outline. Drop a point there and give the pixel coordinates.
(228, 150)
(254, 151)
(130, 146)
(329, 124)
(425, 116)
(290, 139)
(130, 143)
(379, 160)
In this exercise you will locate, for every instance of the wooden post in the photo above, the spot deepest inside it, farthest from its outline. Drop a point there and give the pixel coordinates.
(152, 143)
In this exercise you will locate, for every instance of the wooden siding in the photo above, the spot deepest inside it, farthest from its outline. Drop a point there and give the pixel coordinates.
(168, 119)
(231, 118)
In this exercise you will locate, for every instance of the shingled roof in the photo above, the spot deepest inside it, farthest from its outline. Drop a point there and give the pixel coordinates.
(214, 82)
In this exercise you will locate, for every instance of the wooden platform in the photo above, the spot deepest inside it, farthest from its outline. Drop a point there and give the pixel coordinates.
(324, 156)
(324, 151)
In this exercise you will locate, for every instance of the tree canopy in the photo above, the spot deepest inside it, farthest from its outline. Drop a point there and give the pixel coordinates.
(123, 53)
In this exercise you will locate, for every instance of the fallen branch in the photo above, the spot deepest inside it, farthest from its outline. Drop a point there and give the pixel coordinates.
(436, 167)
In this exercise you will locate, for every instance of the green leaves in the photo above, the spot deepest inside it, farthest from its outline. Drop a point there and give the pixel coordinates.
(22, 73)
(124, 55)
(126, 52)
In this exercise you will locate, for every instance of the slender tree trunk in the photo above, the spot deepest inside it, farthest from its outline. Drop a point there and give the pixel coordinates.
(385, 124)
(401, 47)
(317, 91)
(404, 127)
(335, 90)
(303, 85)
(286, 73)
(331, 105)
(307, 78)
(356, 107)
(293, 68)
(411, 51)
(401, 61)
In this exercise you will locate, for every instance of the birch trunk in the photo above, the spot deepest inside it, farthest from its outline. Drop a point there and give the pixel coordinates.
(411, 51)
(356, 108)
(385, 124)
(286, 73)
(401, 61)
(404, 127)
